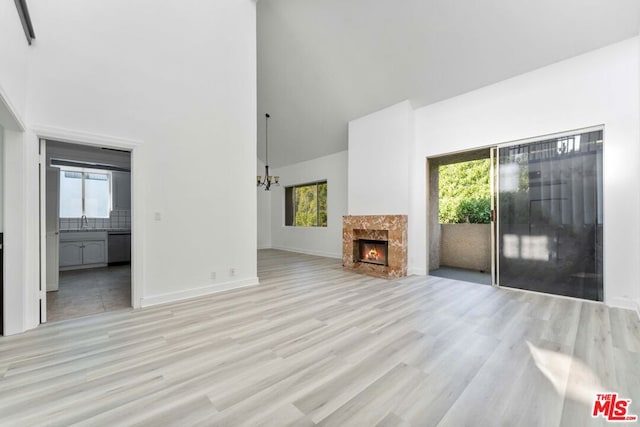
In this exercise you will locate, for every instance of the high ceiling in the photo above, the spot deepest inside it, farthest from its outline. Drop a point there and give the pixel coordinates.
(322, 63)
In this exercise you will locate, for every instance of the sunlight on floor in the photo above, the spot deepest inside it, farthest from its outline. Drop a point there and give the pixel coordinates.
(569, 376)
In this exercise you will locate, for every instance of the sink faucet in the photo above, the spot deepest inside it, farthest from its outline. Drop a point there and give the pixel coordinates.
(84, 222)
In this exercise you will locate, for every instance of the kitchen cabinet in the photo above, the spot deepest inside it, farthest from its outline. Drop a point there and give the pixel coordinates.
(121, 190)
(70, 253)
(94, 252)
(81, 249)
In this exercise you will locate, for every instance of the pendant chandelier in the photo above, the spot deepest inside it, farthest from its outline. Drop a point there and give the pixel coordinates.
(268, 180)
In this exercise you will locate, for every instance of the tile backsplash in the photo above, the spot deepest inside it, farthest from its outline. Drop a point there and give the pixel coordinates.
(117, 220)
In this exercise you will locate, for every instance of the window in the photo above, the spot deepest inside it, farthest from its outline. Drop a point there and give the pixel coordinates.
(306, 205)
(85, 194)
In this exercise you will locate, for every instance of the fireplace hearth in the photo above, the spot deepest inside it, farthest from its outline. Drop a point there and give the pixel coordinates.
(372, 251)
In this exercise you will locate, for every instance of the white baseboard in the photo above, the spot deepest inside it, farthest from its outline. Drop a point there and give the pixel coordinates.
(309, 252)
(264, 247)
(197, 292)
(626, 303)
(417, 272)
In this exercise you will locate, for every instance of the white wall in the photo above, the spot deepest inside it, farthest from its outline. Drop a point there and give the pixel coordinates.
(323, 241)
(21, 306)
(638, 295)
(14, 248)
(13, 57)
(600, 87)
(379, 149)
(182, 79)
(263, 212)
(20, 303)
(1, 181)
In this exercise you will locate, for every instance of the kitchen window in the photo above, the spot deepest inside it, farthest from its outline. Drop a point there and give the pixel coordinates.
(85, 194)
(306, 205)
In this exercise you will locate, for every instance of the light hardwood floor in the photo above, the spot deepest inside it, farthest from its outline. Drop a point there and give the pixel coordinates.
(315, 345)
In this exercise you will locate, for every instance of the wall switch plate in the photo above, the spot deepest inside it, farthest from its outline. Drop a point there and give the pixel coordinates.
(232, 271)
(157, 216)
(213, 275)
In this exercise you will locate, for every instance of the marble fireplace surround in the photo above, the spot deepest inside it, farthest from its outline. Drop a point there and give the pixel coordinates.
(392, 228)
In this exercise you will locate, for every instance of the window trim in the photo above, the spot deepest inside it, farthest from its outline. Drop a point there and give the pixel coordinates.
(305, 184)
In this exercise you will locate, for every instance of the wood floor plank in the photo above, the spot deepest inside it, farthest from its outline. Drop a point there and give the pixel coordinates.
(593, 367)
(328, 397)
(376, 401)
(279, 391)
(392, 420)
(625, 330)
(315, 344)
(477, 403)
(285, 416)
(627, 366)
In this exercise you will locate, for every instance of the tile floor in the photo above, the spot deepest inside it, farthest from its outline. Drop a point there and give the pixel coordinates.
(91, 291)
(462, 275)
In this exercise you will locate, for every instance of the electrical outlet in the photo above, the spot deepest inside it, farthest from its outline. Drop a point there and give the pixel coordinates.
(213, 275)
(232, 271)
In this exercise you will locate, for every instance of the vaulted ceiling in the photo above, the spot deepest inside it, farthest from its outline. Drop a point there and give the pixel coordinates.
(322, 63)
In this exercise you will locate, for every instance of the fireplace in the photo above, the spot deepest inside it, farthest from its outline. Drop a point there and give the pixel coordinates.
(375, 245)
(372, 251)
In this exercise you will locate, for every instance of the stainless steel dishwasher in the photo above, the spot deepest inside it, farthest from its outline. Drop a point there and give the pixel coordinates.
(119, 247)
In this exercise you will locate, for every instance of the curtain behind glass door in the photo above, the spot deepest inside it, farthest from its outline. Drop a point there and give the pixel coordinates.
(550, 216)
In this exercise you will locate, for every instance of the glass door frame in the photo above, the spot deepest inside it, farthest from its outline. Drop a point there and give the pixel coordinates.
(493, 192)
(495, 199)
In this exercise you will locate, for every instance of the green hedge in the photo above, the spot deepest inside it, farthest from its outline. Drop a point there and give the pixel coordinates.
(464, 193)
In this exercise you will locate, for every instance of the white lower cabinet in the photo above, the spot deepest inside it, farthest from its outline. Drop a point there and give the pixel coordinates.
(83, 248)
(94, 252)
(70, 253)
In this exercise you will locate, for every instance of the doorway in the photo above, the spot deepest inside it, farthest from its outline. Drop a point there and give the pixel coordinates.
(545, 232)
(88, 229)
(550, 215)
(460, 216)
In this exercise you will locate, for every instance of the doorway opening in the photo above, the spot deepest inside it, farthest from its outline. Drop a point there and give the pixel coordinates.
(543, 220)
(88, 229)
(550, 214)
(460, 195)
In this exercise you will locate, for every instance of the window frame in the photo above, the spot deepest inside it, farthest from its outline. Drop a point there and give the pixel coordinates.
(84, 172)
(292, 214)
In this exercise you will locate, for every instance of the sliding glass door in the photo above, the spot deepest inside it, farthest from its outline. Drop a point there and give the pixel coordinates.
(549, 205)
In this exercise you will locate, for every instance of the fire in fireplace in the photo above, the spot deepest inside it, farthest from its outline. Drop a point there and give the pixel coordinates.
(372, 251)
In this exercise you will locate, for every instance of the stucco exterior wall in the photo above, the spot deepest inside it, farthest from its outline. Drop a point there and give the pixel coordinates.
(466, 246)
